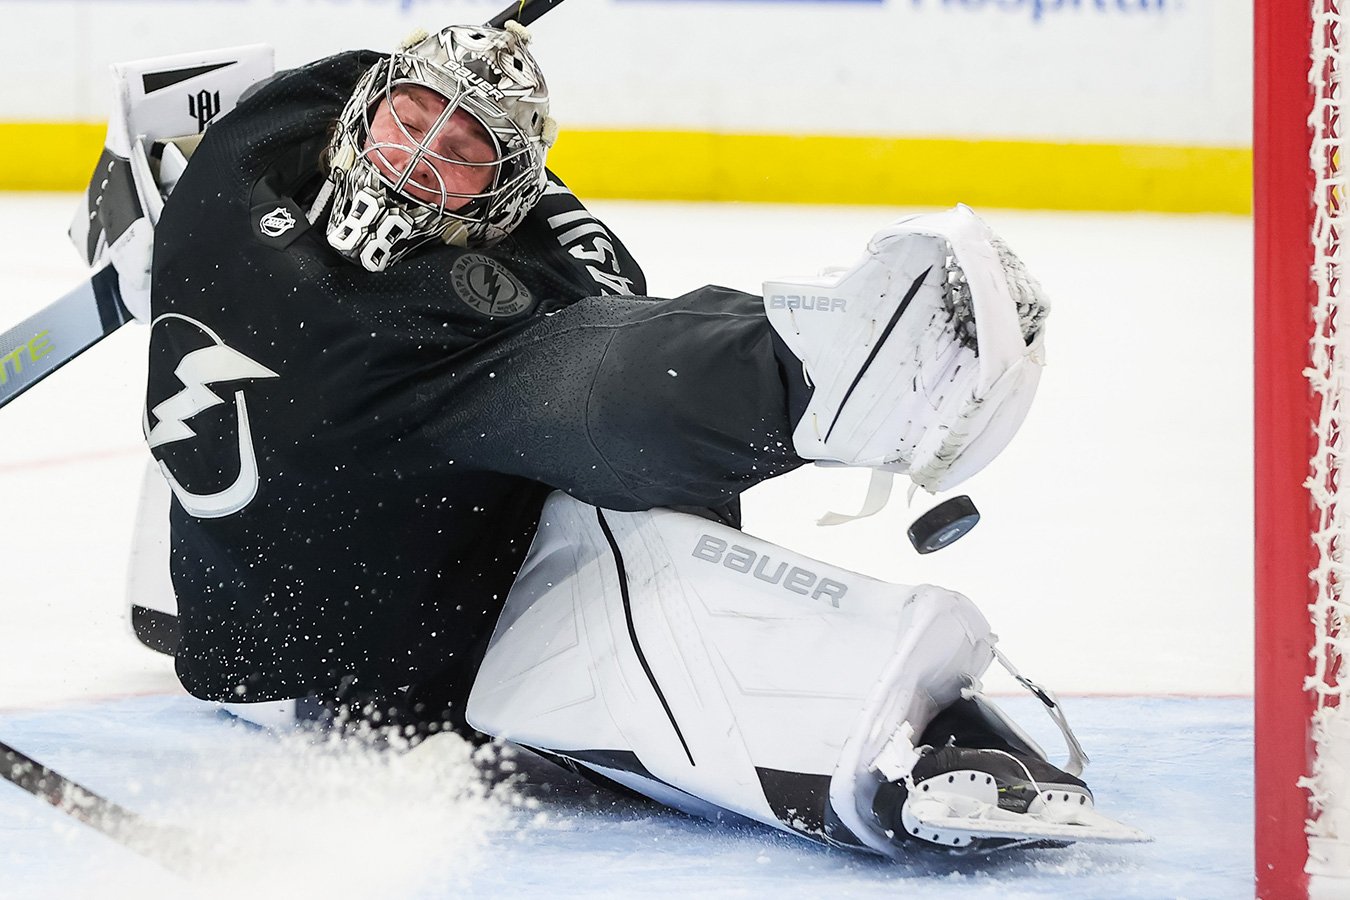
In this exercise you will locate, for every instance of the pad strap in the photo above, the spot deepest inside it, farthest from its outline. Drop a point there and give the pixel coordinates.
(878, 495)
(1078, 760)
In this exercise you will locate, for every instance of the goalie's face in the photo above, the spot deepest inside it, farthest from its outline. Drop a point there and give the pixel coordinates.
(429, 152)
(442, 140)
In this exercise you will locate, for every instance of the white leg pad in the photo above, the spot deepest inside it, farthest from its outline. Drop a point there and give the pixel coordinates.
(148, 582)
(151, 600)
(711, 670)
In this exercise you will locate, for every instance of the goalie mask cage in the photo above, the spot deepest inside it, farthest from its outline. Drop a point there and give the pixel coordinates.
(1302, 712)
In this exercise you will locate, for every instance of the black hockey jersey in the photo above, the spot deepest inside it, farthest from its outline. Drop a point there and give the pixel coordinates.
(322, 535)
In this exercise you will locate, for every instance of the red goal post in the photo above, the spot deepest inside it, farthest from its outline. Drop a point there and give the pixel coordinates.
(1302, 741)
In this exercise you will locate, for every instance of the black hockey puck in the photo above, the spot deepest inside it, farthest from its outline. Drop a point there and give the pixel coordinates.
(944, 524)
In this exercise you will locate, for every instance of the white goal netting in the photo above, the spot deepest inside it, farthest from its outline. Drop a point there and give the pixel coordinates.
(1328, 784)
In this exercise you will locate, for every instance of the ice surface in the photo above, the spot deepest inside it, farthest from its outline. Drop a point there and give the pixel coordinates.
(1113, 558)
(279, 819)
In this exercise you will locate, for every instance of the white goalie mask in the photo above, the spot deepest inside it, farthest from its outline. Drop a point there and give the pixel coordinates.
(444, 140)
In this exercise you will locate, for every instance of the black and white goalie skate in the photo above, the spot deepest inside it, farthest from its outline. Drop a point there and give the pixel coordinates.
(977, 783)
(978, 801)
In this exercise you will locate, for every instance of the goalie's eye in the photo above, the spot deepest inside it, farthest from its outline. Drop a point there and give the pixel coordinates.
(410, 135)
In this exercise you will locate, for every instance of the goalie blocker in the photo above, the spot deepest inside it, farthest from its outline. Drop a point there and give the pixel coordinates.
(717, 673)
(160, 108)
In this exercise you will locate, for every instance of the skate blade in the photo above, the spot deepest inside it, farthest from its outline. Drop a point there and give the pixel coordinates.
(958, 819)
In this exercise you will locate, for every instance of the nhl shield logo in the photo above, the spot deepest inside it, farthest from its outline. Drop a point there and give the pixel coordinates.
(489, 287)
(277, 222)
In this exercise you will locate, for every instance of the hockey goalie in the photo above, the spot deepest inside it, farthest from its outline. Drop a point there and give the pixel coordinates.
(428, 457)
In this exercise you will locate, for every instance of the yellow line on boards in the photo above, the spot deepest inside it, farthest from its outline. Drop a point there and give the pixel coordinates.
(688, 165)
(681, 165)
(49, 156)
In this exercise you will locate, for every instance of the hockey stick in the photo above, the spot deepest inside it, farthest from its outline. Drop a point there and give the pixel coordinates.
(524, 12)
(52, 337)
(155, 842)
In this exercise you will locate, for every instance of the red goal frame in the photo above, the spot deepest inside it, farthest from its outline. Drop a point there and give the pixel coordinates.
(1285, 409)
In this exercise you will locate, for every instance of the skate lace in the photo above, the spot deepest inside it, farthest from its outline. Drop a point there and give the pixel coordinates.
(1031, 779)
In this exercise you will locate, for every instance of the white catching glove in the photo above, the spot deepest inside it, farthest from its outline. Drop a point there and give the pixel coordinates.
(923, 357)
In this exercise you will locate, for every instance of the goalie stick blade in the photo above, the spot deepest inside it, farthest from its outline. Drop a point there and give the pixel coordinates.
(56, 334)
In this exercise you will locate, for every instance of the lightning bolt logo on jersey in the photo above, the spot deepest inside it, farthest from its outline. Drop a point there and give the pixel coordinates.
(196, 370)
(489, 287)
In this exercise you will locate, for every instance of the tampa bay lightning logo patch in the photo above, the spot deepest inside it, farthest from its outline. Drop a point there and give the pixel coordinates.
(489, 287)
